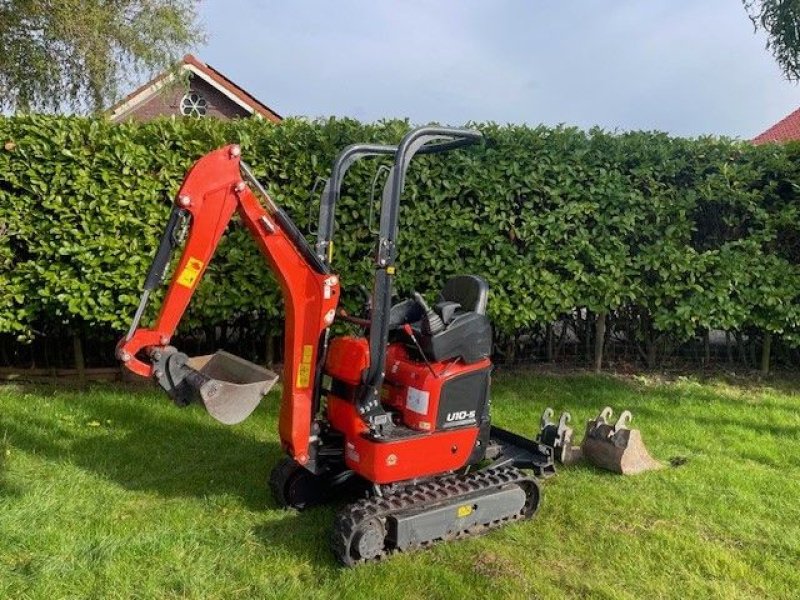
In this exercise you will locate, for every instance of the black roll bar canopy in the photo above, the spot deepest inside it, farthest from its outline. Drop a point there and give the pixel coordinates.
(331, 193)
(422, 140)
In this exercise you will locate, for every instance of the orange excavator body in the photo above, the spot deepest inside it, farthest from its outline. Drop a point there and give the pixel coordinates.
(403, 404)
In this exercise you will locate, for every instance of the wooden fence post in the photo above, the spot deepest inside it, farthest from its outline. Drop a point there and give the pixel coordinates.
(599, 340)
(80, 361)
(269, 350)
(766, 349)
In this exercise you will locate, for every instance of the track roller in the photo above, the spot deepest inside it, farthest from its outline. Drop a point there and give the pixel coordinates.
(294, 486)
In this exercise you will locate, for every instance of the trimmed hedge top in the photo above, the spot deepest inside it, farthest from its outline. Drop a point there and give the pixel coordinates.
(682, 234)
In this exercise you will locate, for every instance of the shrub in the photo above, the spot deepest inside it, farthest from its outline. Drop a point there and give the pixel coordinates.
(669, 236)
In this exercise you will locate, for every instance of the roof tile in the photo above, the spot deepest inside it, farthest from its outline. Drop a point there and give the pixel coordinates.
(785, 130)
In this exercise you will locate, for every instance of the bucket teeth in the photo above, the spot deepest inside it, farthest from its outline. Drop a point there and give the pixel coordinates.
(605, 416)
(546, 417)
(616, 447)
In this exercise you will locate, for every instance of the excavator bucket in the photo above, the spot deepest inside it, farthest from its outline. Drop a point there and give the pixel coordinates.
(558, 436)
(616, 447)
(229, 387)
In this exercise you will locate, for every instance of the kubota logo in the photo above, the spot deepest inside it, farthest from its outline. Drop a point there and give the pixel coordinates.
(461, 415)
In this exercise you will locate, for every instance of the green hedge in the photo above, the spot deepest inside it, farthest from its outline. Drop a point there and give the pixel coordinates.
(675, 235)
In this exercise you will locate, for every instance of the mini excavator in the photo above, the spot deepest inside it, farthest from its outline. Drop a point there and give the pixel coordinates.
(402, 407)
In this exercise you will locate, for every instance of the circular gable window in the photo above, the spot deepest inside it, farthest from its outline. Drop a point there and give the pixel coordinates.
(194, 105)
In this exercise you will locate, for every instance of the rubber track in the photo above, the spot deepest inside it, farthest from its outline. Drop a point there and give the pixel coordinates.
(424, 495)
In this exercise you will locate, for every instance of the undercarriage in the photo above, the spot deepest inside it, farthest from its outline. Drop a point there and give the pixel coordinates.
(379, 520)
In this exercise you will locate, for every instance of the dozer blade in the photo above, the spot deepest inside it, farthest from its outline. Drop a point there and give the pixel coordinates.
(616, 447)
(229, 387)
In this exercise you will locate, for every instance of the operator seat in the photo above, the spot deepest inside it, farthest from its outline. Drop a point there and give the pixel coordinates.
(467, 332)
(470, 291)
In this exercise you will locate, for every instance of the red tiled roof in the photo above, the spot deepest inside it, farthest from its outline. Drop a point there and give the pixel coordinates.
(219, 80)
(264, 110)
(785, 130)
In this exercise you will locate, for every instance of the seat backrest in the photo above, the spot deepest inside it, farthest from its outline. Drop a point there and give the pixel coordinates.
(470, 291)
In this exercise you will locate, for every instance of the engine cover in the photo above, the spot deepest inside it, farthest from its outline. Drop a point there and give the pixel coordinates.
(441, 395)
(440, 409)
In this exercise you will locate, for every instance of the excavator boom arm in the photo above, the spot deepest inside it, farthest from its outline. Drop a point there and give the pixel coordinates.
(213, 190)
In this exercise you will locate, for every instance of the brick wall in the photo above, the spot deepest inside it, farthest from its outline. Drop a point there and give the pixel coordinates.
(168, 102)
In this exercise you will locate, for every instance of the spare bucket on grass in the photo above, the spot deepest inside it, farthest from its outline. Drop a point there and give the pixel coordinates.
(616, 447)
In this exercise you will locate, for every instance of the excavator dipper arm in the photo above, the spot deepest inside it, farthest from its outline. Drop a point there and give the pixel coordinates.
(217, 186)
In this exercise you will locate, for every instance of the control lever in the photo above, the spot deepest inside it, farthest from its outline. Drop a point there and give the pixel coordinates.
(432, 323)
(410, 333)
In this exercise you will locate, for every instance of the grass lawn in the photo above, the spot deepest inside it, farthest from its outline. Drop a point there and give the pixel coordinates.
(113, 492)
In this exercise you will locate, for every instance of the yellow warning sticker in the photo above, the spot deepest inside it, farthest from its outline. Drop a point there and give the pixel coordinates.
(303, 376)
(190, 273)
(465, 510)
(304, 370)
(308, 351)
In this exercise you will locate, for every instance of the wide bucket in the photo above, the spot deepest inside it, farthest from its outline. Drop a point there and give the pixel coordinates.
(616, 448)
(229, 387)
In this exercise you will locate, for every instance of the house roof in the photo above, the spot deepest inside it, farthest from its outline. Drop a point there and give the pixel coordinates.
(206, 72)
(785, 130)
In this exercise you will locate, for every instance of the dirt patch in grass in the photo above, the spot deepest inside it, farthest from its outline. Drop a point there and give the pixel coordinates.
(490, 564)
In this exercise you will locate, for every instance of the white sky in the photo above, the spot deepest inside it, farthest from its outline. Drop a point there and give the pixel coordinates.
(687, 67)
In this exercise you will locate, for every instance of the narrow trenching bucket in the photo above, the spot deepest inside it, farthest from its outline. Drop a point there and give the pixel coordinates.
(229, 387)
(558, 436)
(616, 447)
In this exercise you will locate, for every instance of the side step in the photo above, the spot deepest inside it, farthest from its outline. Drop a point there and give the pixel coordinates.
(229, 387)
